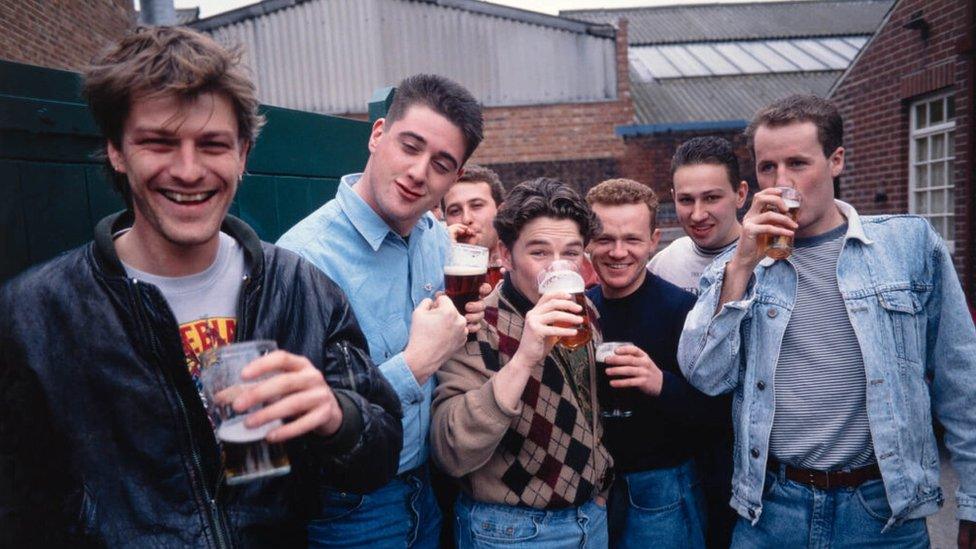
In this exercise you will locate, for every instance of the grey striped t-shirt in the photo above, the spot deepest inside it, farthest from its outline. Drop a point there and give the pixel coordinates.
(821, 419)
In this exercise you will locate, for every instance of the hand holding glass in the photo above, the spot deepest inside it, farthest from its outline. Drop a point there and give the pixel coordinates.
(564, 276)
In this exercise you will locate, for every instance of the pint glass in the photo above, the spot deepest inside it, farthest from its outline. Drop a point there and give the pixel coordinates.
(778, 246)
(247, 455)
(563, 276)
(614, 402)
(495, 274)
(464, 273)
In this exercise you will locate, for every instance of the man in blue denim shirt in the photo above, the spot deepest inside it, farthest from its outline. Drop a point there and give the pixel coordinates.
(837, 355)
(378, 242)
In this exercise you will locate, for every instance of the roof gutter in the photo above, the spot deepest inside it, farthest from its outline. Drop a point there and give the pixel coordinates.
(636, 130)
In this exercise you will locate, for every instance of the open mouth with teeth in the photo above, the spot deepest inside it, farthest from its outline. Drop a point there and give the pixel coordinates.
(188, 199)
(616, 266)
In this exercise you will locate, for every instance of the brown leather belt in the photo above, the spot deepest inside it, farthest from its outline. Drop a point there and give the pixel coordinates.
(825, 480)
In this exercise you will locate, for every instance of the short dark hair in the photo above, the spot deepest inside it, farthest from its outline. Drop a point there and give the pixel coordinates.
(707, 149)
(152, 62)
(445, 97)
(615, 192)
(801, 108)
(543, 197)
(473, 173)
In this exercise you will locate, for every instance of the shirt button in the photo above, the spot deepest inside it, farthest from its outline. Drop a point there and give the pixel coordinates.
(761, 385)
(754, 453)
(771, 313)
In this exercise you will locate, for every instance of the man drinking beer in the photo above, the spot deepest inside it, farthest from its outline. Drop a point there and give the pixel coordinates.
(515, 417)
(106, 441)
(838, 355)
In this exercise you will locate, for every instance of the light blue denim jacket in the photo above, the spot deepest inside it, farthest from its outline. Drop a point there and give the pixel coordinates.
(909, 313)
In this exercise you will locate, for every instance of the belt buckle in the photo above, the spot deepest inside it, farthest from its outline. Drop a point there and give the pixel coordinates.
(813, 479)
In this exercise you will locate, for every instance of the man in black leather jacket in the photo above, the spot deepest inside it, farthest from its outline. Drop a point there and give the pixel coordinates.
(104, 439)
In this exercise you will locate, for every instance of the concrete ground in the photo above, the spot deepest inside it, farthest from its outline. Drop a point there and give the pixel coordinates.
(943, 526)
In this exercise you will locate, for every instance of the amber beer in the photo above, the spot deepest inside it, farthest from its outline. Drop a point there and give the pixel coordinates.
(495, 274)
(461, 284)
(563, 276)
(247, 455)
(780, 246)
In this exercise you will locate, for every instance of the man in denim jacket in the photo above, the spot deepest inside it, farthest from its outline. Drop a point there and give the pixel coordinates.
(837, 355)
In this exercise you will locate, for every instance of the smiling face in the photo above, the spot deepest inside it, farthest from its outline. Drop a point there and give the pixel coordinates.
(413, 162)
(621, 251)
(183, 161)
(792, 156)
(539, 243)
(471, 203)
(705, 204)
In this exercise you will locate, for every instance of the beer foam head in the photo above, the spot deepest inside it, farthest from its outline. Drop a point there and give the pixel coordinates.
(569, 282)
(791, 203)
(604, 350)
(464, 270)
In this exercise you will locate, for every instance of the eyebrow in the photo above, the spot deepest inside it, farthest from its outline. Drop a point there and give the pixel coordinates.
(161, 132)
(439, 154)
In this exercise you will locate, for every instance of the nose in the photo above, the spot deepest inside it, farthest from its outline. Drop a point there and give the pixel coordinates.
(186, 166)
(782, 178)
(417, 170)
(698, 212)
(618, 250)
(466, 216)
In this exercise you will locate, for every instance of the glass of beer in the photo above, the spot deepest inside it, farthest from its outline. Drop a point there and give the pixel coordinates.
(495, 273)
(465, 272)
(247, 455)
(564, 276)
(779, 246)
(615, 403)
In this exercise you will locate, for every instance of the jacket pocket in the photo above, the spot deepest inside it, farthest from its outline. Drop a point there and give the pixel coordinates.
(902, 308)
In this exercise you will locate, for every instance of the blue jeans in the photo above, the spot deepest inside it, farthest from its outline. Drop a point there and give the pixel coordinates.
(403, 513)
(494, 525)
(662, 508)
(797, 515)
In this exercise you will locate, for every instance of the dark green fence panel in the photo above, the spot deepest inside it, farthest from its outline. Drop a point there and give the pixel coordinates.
(53, 188)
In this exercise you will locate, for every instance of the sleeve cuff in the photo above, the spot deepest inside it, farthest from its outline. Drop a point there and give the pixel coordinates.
(497, 411)
(402, 379)
(966, 507)
(350, 430)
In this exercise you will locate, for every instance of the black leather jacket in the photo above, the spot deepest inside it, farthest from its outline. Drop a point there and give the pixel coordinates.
(104, 439)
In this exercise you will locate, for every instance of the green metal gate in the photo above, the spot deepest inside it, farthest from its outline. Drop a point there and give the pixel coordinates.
(53, 190)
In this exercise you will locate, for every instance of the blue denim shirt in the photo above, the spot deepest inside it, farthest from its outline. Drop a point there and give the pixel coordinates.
(385, 277)
(909, 314)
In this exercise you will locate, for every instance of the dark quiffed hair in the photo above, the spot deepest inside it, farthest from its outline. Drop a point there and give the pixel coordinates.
(152, 62)
(801, 108)
(474, 173)
(707, 150)
(543, 197)
(445, 97)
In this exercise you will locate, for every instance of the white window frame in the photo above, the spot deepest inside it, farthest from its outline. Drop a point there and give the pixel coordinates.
(946, 127)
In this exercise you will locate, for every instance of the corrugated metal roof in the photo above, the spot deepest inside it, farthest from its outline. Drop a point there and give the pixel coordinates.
(745, 57)
(329, 55)
(754, 21)
(714, 98)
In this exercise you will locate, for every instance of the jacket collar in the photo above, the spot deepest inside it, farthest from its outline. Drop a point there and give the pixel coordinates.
(108, 260)
(854, 228)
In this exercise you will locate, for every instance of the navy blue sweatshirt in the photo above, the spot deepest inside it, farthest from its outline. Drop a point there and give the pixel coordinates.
(666, 430)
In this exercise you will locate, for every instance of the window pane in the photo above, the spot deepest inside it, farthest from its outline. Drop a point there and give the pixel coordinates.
(921, 176)
(937, 175)
(938, 146)
(936, 114)
(951, 201)
(950, 108)
(939, 225)
(921, 149)
(921, 203)
(920, 118)
(950, 144)
(937, 202)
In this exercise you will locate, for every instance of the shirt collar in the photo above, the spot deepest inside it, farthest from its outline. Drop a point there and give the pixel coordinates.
(366, 221)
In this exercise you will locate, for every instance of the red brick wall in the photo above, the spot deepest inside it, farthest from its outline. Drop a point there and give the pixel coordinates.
(61, 34)
(897, 68)
(564, 132)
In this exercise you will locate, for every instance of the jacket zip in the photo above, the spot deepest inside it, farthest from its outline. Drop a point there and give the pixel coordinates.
(213, 513)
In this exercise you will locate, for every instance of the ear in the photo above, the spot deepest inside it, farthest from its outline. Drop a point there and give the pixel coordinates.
(505, 255)
(741, 193)
(837, 162)
(115, 157)
(655, 240)
(375, 134)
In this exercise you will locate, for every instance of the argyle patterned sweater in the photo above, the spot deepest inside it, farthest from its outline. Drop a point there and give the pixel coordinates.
(547, 453)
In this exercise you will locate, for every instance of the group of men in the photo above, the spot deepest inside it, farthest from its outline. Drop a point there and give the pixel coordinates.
(827, 366)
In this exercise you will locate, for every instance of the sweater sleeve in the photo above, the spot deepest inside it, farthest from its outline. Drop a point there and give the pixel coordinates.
(467, 423)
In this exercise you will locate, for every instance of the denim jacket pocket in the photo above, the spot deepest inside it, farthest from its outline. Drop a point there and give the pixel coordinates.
(492, 524)
(902, 308)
